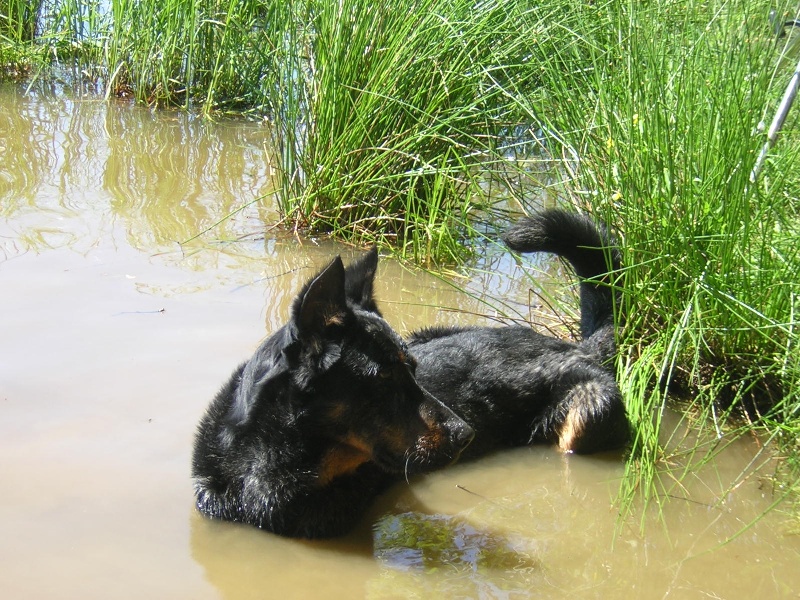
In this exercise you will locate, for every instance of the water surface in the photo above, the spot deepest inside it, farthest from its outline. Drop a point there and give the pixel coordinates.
(118, 330)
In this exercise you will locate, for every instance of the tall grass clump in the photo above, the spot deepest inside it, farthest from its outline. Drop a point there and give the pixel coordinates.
(209, 54)
(206, 54)
(397, 114)
(18, 20)
(34, 34)
(17, 28)
(666, 119)
(384, 111)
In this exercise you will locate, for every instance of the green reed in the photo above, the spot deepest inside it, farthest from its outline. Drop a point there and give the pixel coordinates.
(383, 112)
(19, 18)
(664, 116)
(204, 53)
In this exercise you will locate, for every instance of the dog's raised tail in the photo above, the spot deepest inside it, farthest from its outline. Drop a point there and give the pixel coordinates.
(593, 254)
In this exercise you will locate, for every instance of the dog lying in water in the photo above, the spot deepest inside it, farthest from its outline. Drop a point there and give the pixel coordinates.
(324, 416)
(334, 407)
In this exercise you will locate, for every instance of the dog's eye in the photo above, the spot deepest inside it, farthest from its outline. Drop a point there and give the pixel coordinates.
(386, 373)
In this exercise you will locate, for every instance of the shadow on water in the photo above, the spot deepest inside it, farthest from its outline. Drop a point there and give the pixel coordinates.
(116, 335)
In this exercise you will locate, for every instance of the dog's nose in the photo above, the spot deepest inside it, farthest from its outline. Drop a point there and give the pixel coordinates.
(464, 434)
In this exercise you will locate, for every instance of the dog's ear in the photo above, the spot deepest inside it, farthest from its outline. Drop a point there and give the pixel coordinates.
(359, 279)
(322, 302)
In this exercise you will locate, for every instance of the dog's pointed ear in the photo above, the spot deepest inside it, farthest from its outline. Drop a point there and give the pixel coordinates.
(359, 280)
(322, 302)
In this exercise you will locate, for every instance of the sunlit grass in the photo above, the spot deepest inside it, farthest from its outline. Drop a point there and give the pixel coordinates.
(388, 120)
(664, 115)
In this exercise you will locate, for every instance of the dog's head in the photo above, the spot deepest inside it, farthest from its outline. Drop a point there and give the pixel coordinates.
(356, 380)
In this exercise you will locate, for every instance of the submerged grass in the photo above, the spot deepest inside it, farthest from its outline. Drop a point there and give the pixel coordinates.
(398, 121)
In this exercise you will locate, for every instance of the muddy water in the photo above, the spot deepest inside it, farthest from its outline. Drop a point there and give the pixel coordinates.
(115, 335)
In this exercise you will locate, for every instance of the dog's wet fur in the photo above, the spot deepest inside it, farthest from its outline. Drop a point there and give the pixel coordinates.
(515, 386)
(334, 407)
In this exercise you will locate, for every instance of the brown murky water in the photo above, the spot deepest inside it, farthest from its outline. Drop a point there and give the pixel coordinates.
(115, 337)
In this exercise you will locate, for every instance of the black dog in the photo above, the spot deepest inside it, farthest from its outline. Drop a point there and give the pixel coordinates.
(328, 413)
(515, 386)
(322, 418)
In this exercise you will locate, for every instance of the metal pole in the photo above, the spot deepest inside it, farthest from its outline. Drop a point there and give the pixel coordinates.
(777, 122)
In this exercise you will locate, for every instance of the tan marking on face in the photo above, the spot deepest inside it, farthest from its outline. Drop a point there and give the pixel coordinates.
(359, 444)
(432, 440)
(431, 420)
(395, 438)
(342, 459)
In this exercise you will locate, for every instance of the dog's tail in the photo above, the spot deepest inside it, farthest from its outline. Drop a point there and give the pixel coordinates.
(592, 252)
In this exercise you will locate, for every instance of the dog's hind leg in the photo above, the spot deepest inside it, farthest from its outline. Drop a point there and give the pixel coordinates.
(591, 415)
